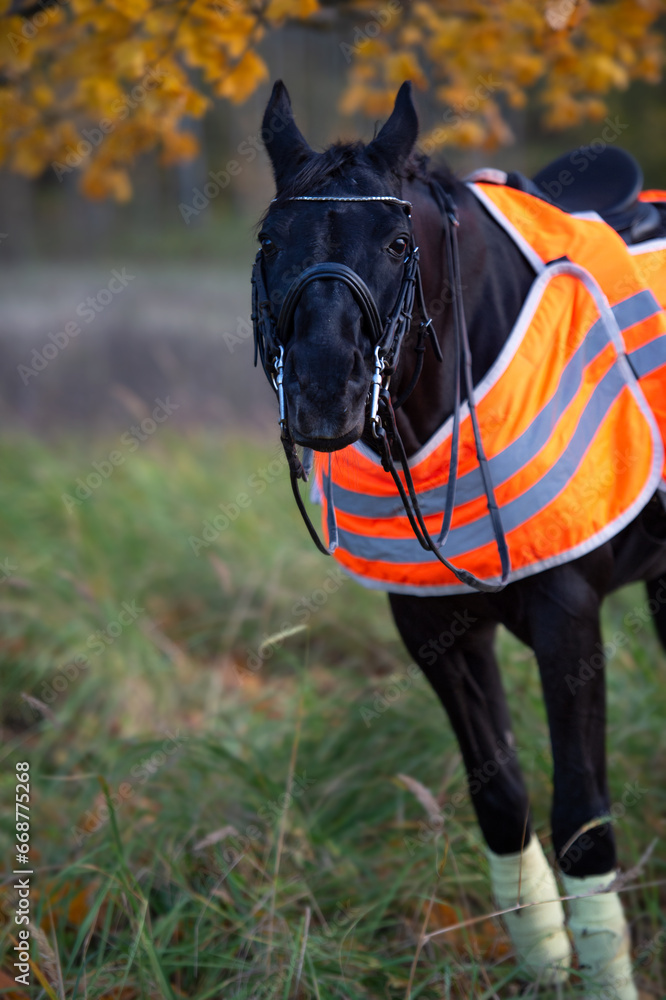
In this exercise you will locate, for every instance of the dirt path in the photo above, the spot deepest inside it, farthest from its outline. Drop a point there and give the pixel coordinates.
(82, 346)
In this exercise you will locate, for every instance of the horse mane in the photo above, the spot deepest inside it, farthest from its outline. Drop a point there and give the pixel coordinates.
(420, 168)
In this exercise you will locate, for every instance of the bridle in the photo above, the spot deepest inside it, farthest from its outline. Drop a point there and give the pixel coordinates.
(387, 339)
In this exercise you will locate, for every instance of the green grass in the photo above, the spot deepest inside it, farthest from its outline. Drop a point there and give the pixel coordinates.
(205, 830)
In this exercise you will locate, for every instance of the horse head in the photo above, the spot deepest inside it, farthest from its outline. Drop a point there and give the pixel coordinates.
(341, 208)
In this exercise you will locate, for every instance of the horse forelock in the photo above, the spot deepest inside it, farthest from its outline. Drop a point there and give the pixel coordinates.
(345, 169)
(343, 161)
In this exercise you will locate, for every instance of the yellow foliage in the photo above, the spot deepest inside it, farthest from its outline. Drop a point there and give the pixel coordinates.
(498, 131)
(404, 66)
(130, 58)
(353, 98)
(516, 98)
(134, 10)
(243, 78)
(194, 103)
(28, 153)
(436, 138)
(111, 182)
(178, 146)
(595, 110)
(278, 10)
(95, 92)
(469, 133)
(127, 64)
(43, 96)
(601, 72)
(564, 14)
(649, 68)
(373, 48)
(161, 21)
(448, 37)
(375, 102)
(565, 111)
(626, 53)
(233, 31)
(527, 68)
(410, 35)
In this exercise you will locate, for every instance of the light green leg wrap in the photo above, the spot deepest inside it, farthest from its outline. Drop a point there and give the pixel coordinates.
(601, 936)
(538, 932)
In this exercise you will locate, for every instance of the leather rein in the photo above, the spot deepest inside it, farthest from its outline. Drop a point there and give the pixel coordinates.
(387, 339)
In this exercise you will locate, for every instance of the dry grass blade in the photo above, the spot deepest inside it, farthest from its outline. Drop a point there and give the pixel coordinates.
(451, 765)
(40, 707)
(522, 849)
(590, 825)
(171, 650)
(283, 822)
(278, 637)
(82, 588)
(616, 886)
(424, 796)
(50, 960)
(60, 983)
(215, 837)
(304, 944)
(421, 942)
(16, 583)
(223, 573)
(624, 878)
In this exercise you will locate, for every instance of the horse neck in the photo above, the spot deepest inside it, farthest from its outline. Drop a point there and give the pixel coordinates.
(495, 278)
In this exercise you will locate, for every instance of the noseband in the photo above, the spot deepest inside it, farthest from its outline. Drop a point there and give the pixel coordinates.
(269, 340)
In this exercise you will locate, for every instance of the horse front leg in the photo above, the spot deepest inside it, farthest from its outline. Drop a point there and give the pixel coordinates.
(566, 638)
(454, 648)
(656, 590)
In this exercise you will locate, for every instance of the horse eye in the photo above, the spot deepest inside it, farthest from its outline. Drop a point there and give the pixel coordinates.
(267, 244)
(398, 247)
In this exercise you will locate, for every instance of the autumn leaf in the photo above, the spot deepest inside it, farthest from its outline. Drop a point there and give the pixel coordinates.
(244, 78)
(8, 987)
(110, 182)
(278, 10)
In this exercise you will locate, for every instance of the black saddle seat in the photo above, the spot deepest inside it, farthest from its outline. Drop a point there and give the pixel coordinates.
(606, 180)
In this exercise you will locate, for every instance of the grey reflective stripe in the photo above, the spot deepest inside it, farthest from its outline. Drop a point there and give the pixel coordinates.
(635, 309)
(467, 537)
(331, 523)
(645, 359)
(365, 505)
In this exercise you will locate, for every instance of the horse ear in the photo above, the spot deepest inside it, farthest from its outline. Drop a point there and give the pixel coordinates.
(396, 140)
(286, 147)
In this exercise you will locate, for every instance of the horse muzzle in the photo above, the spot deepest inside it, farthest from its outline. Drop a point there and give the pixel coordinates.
(326, 415)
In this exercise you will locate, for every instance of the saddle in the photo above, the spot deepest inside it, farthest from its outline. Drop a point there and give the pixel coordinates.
(607, 181)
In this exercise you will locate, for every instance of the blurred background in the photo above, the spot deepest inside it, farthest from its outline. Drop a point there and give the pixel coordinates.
(230, 756)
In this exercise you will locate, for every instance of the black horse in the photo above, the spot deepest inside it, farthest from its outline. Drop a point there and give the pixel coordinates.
(345, 208)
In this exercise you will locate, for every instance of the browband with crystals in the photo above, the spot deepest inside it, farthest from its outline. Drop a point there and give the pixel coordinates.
(367, 197)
